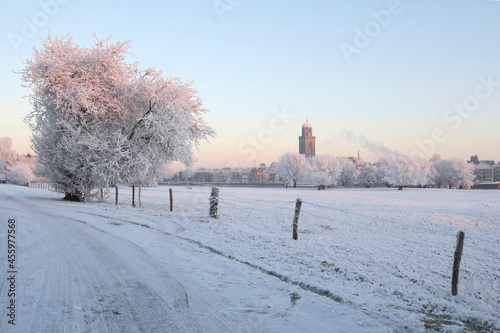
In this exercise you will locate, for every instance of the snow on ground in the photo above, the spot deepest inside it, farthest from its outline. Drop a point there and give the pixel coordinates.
(367, 260)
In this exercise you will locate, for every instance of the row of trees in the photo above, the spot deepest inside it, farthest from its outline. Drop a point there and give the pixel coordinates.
(98, 120)
(319, 170)
(19, 171)
(390, 170)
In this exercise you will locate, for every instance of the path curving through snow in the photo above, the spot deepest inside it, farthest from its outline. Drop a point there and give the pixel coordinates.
(87, 268)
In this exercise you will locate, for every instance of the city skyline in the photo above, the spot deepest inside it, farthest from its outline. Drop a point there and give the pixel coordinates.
(413, 77)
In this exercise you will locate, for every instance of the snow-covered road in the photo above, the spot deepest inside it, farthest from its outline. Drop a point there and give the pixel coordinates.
(80, 268)
(73, 277)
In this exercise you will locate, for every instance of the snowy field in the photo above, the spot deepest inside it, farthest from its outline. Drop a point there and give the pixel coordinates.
(367, 260)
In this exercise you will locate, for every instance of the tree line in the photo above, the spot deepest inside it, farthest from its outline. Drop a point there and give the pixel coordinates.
(390, 170)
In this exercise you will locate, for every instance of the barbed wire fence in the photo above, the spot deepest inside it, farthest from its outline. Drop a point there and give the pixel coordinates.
(316, 219)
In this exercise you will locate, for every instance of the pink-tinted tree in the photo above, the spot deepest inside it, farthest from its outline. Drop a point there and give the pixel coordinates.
(98, 120)
(7, 154)
(21, 174)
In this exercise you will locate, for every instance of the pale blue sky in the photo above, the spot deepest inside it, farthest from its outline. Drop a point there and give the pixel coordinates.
(263, 57)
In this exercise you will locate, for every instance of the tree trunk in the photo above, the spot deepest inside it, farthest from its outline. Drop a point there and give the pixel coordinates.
(86, 195)
(294, 183)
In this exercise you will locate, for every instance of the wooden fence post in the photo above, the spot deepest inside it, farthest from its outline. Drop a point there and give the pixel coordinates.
(298, 204)
(456, 263)
(171, 199)
(116, 195)
(133, 195)
(214, 202)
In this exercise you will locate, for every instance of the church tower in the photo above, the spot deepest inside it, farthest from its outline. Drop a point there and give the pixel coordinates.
(307, 142)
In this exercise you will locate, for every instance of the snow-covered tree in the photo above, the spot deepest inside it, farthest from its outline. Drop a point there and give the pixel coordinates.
(454, 172)
(444, 172)
(402, 170)
(464, 173)
(3, 166)
(291, 167)
(323, 170)
(383, 168)
(21, 174)
(368, 176)
(349, 173)
(7, 154)
(98, 120)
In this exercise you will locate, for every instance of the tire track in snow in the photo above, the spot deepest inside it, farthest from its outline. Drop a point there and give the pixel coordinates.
(213, 314)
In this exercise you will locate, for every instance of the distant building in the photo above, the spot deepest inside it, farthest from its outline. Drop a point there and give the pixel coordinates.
(204, 176)
(307, 142)
(273, 166)
(496, 172)
(474, 159)
(261, 174)
(483, 172)
(258, 175)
